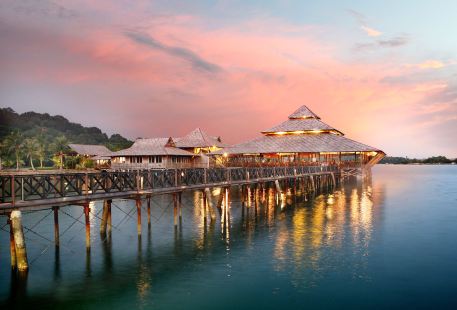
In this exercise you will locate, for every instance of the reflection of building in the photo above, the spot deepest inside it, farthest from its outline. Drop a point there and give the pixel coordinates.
(98, 153)
(303, 138)
(186, 152)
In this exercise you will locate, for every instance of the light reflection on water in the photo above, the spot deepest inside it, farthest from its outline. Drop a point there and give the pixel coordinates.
(264, 250)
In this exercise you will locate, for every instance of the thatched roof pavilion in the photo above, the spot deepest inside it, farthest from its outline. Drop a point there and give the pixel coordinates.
(152, 153)
(302, 137)
(199, 141)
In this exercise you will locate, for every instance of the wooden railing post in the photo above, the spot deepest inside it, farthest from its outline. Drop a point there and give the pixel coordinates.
(13, 191)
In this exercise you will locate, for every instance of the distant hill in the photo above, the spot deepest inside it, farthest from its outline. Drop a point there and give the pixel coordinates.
(32, 123)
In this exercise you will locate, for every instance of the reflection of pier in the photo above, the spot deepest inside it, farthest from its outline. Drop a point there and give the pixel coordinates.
(317, 221)
(37, 191)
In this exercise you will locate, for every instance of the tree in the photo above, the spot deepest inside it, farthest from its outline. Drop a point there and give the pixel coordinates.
(2, 154)
(41, 151)
(31, 149)
(14, 143)
(59, 147)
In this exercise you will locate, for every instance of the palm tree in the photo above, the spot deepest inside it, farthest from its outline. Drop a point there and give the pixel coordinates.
(31, 149)
(14, 143)
(60, 146)
(41, 151)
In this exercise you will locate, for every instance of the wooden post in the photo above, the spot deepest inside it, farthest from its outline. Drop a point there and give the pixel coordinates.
(104, 217)
(278, 187)
(204, 208)
(333, 179)
(313, 187)
(175, 210)
(12, 246)
(210, 204)
(86, 216)
(56, 226)
(108, 221)
(227, 207)
(149, 210)
(19, 242)
(138, 212)
(180, 206)
(219, 201)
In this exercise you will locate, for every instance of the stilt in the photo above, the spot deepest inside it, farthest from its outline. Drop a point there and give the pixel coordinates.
(210, 204)
(219, 201)
(86, 216)
(175, 210)
(278, 187)
(104, 217)
(313, 187)
(333, 179)
(19, 242)
(12, 246)
(56, 226)
(204, 209)
(138, 212)
(148, 201)
(227, 207)
(180, 207)
(108, 222)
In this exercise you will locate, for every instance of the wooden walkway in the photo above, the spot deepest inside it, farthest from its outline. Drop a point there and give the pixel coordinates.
(34, 190)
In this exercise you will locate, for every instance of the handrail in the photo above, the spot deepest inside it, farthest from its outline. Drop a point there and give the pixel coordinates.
(27, 187)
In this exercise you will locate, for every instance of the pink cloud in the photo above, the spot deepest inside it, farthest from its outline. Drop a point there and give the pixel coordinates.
(266, 70)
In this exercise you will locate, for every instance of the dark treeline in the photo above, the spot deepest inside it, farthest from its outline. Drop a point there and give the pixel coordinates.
(406, 160)
(41, 139)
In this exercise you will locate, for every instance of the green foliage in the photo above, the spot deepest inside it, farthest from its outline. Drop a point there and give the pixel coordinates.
(13, 145)
(50, 135)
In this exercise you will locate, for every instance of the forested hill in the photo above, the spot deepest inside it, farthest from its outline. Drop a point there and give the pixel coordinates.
(32, 124)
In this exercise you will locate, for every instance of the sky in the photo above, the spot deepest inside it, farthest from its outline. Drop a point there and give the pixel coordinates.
(382, 72)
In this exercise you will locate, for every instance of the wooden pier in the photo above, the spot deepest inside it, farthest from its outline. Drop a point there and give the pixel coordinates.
(38, 191)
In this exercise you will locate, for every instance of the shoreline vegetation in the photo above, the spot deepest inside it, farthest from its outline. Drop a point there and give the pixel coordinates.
(434, 160)
(39, 141)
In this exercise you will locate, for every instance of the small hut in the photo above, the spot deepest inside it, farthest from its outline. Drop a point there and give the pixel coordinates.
(303, 138)
(100, 154)
(152, 153)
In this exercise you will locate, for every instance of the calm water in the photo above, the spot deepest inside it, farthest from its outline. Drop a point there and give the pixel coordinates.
(391, 242)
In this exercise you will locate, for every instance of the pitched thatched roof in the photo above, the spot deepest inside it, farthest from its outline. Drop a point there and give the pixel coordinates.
(303, 132)
(151, 147)
(294, 125)
(307, 143)
(302, 120)
(198, 138)
(90, 149)
(303, 112)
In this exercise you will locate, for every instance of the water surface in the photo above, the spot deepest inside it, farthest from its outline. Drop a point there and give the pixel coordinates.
(388, 242)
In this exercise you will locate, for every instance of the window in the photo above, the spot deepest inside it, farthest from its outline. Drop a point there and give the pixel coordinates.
(136, 160)
(155, 159)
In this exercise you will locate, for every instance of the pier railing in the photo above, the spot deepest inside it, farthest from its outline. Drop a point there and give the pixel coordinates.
(30, 187)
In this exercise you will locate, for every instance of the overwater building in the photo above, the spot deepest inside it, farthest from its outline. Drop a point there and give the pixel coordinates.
(303, 138)
(155, 153)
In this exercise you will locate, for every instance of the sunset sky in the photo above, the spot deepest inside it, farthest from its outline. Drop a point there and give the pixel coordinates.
(382, 72)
